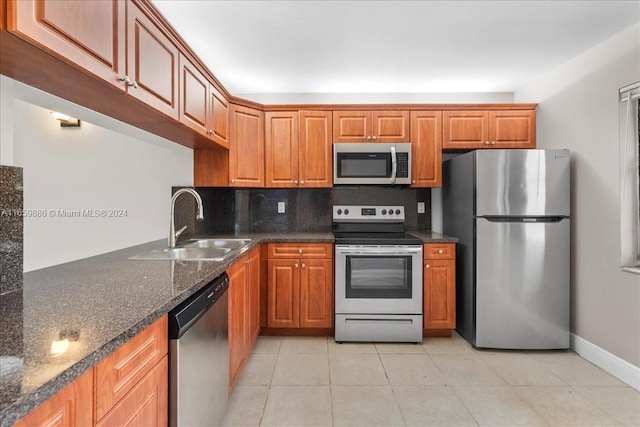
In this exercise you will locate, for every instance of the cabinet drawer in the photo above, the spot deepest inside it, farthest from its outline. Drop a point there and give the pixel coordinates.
(300, 250)
(119, 372)
(439, 251)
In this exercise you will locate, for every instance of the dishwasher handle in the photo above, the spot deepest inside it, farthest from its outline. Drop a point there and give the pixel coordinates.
(188, 312)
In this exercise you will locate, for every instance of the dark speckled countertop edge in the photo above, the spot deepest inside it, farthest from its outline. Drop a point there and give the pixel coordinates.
(26, 403)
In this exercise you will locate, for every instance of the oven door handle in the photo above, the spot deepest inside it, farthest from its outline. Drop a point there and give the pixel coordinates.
(394, 165)
(378, 252)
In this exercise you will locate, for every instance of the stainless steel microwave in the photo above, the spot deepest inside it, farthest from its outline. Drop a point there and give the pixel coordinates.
(372, 163)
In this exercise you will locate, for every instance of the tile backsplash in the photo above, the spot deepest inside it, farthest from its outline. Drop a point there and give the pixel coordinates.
(11, 228)
(233, 211)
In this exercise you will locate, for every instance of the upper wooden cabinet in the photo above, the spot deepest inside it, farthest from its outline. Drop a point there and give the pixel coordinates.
(489, 129)
(202, 107)
(371, 126)
(298, 149)
(246, 147)
(152, 63)
(426, 148)
(88, 34)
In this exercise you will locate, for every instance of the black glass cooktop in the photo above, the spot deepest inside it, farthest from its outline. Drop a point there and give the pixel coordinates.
(366, 238)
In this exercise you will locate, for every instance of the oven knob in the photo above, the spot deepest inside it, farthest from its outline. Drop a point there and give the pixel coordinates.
(346, 211)
(397, 211)
(384, 212)
(390, 211)
(339, 211)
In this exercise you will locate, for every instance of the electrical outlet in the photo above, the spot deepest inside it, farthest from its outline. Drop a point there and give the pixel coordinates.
(420, 207)
(281, 208)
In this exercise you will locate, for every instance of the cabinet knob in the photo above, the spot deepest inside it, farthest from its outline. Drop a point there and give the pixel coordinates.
(303, 266)
(301, 182)
(299, 251)
(295, 181)
(373, 137)
(233, 180)
(440, 251)
(493, 143)
(413, 182)
(427, 266)
(487, 143)
(295, 265)
(133, 84)
(369, 137)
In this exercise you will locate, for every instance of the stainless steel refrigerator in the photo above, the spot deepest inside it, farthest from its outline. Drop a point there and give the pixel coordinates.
(510, 210)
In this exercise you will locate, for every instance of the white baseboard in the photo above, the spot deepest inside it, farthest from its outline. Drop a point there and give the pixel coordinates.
(619, 368)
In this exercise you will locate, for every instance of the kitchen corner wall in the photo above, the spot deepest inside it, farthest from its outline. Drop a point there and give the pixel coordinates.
(578, 110)
(103, 165)
(233, 211)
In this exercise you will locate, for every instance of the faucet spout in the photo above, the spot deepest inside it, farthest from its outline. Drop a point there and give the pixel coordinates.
(173, 235)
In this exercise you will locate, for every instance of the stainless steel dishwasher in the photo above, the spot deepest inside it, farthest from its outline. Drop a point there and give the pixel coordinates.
(199, 357)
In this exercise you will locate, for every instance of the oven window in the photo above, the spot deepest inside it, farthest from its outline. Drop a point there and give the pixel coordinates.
(378, 277)
(364, 165)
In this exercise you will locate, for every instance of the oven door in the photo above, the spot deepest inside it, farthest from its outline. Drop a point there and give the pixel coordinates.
(378, 279)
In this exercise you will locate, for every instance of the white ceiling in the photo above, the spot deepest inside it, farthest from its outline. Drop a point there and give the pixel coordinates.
(256, 47)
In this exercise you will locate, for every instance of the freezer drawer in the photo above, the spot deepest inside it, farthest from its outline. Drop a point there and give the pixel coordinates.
(522, 284)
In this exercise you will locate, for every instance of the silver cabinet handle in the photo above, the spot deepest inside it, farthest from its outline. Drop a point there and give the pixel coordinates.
(233, 180)
(295, 182)
(133, 84)
(303, 266)
(427, 266)
(413, 182)
(369, 137)
(373, 137)
(296, 265)
(301, 182)
(299, 251)
(440, 251)
(487, 142)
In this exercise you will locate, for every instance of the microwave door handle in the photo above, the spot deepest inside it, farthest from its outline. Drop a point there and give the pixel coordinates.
(394, 165)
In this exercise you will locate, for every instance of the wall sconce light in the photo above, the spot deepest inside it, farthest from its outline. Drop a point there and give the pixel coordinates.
(65, 121)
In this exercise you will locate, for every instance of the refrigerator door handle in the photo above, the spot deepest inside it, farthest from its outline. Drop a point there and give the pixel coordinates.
(537, 219)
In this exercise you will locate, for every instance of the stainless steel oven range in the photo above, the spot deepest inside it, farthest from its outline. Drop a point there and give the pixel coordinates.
(378, 275)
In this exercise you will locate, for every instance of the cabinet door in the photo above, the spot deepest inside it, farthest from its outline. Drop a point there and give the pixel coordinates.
(512, 129)
(390, 126)
(237, 325)
(316, 293)
(465, 129)
(283, 293)
(194, 94)
(439, 294)
(89, 34)
(70, 407)
(281, 149)
(152, 63)
(219, 117)
(253, 286)
(119, 372)
(146, 405)
(315, 156)
(351, 126)
(426, 145)
(246, 147)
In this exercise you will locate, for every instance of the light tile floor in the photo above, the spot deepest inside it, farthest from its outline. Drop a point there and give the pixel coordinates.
(303, 381)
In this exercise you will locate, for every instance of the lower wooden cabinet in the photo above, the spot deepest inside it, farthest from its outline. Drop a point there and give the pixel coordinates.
(244, 311)
(300, 285)
(439, 292)
(71, 406)
(146, 404)
(127, 388)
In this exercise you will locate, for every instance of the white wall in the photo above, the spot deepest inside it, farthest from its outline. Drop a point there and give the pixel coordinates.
(380, 98)
(91, 167)
(578, 110)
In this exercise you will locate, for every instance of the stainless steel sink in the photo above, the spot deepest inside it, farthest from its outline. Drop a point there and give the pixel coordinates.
(197, 250)
(215, 243)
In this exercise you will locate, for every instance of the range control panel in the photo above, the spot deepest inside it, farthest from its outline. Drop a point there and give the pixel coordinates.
(358, 213)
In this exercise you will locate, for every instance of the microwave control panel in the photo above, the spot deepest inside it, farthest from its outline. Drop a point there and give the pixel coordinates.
(402, 170)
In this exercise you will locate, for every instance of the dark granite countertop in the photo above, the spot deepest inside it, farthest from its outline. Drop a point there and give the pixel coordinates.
(433, 237)
(105, 300)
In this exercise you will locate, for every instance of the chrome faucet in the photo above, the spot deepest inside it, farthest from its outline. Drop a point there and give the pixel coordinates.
(173, 234)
